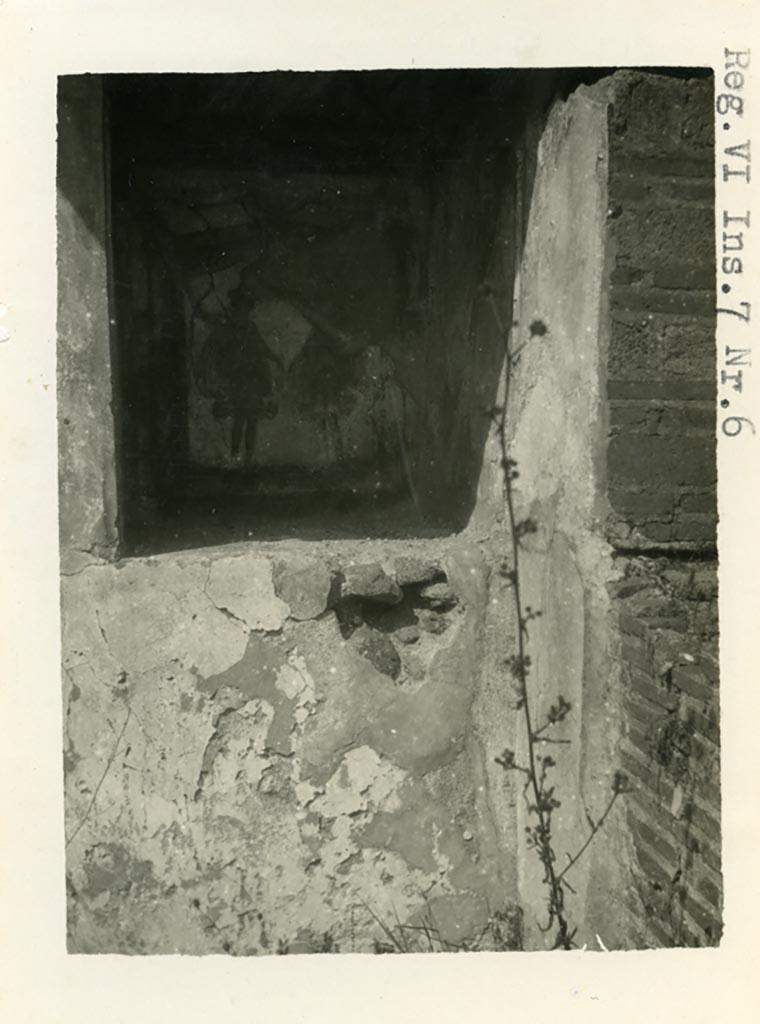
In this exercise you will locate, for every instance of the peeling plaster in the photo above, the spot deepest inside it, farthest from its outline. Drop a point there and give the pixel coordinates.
(244, 588)
(266, 770)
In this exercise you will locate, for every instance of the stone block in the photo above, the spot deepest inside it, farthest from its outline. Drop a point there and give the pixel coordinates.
(377, 648)
(304, 587)
(410, 569)
(370, 582)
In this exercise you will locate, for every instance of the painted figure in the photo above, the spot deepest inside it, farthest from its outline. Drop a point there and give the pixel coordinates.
(235, 370)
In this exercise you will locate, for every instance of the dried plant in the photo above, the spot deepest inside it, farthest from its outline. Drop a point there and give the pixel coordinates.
(540, 792)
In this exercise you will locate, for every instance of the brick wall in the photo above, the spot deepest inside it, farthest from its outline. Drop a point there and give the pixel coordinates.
(661, 472)
(670, 750)
(661, 377)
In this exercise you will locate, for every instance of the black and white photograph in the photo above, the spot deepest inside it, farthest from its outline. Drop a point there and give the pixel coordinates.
(388, 510)
(379, 427)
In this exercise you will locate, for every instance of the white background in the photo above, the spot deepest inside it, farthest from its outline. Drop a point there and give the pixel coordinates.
(39, 982)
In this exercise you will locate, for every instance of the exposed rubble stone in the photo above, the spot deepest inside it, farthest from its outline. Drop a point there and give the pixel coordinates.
(408, 634)
(410, 569)
(432, 622)
(439, 595)
(377, 648)
(370, 582)
(304, 587)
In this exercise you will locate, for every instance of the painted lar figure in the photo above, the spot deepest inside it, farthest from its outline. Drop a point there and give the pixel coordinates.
(235, 370)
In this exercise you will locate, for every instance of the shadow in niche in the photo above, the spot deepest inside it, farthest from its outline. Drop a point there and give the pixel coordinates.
(299, 265)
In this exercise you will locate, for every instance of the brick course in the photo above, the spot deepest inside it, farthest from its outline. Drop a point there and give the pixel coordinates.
(670, 749)
(661, 471)
(661, 365)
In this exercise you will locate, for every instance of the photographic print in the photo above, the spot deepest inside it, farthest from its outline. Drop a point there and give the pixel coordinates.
(387, 470)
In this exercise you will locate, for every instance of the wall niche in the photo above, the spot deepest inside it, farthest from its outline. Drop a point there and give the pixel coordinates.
(300, 341)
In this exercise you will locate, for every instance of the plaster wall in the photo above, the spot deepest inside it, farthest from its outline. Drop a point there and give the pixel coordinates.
(557, 422)
(283, 747)
(244, 775)
(87, 492)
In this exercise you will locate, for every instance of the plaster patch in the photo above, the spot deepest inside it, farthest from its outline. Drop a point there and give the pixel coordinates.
(305, 793)
(145, 615)
(256, 675)
(239, 760)
(363, 779)
(290, 682)
(243, 587)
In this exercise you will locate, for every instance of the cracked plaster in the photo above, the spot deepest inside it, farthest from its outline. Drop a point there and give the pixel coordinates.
(251, 767)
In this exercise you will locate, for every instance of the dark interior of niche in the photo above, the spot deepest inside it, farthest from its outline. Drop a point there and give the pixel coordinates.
(299, 344)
